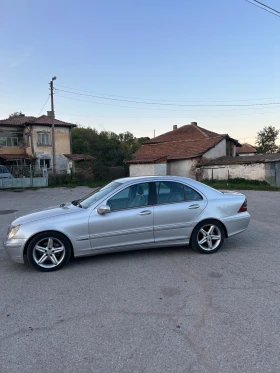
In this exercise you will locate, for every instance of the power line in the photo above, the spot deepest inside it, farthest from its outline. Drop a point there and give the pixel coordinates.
(168, 104)
(44, 105)
(274, 10)
(148, 99)
(277, 15)
(180, 110)
(161, 117)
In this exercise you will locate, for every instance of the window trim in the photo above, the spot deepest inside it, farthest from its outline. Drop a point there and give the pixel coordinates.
(44, 133)
(152, 195)
(185, 199)
(10, 136)
(134, 207)
(44, 166)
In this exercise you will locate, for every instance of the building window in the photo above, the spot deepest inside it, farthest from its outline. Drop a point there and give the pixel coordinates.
(45, 163)
(44, 139)
(11, 139)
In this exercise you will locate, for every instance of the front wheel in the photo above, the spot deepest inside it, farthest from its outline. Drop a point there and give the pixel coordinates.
(48, 251)
(208, 237)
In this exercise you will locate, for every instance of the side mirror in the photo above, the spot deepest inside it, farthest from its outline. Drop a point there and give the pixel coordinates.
(103, 209)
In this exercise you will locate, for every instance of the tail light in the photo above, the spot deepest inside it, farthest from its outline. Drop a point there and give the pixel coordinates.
(243, 208)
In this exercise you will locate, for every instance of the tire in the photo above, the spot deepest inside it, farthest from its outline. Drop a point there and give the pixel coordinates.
(208, 237)
(48, 251)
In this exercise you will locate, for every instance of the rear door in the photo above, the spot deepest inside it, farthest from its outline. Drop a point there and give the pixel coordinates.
(176, 207)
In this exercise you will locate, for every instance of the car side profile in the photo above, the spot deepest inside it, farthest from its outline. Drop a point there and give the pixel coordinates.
(5, 173)
(128, 214)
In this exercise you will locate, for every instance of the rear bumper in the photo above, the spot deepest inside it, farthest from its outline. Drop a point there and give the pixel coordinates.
(14, 248)
(237, 223)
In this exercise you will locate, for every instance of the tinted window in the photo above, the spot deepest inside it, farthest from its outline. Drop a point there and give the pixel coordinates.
(192, 195)
(132, 196)
(169, 192)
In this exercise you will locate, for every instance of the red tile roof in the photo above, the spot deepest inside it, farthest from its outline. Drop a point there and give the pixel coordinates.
(246, 148)
(186, 142)
(259, 158)
(79, 157)
(174, 150)
(46, 120)
(187, 132)
(42, 120)
(20, 120)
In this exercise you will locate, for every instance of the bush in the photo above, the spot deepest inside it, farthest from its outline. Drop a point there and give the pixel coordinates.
(236, 181)
(62, 179)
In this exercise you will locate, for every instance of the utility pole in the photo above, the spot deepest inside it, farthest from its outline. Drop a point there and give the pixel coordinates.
(53, 129)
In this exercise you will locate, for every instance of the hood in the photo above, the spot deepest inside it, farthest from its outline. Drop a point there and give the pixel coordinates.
(50, 212)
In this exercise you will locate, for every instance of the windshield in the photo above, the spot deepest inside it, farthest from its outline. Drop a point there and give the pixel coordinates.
(98, 194)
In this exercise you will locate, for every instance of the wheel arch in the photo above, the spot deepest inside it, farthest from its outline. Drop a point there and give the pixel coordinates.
(48, 231)
(215, 219)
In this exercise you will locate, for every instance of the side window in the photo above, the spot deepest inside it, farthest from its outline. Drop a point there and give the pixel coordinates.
(169, 192)
(133, 196)
(192, 195)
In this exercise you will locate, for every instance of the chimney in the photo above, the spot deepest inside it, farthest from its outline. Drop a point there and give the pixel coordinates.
(174, 127)
(50, 114)
(194, 123)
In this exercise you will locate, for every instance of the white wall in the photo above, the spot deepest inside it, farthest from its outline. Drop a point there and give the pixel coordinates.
(149, 169)
(256, 171)
(218, 151)
(185, 168)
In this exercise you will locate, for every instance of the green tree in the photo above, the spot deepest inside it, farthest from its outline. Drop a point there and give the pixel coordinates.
(266, 140)
(16, 114)
(108, 148)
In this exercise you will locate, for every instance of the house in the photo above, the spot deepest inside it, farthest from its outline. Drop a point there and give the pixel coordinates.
(26, 140)
(81, 164)
(179, 151)
(246, 150)
(265, 167)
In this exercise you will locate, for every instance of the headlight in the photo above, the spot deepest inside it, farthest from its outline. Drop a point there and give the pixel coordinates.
(13, 231)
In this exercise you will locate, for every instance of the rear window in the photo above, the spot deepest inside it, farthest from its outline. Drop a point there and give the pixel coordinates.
(191, 194)
(172, 192)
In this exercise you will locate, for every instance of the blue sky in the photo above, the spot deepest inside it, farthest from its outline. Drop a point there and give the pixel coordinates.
(179, 52)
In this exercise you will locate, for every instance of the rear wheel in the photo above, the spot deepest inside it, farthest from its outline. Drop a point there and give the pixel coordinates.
(48, 251)
(208, 237)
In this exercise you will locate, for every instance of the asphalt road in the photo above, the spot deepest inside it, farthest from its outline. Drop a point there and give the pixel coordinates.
(164, 310)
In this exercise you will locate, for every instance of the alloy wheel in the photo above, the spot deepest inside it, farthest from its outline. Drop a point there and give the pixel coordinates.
(209, 237)
(49, 252)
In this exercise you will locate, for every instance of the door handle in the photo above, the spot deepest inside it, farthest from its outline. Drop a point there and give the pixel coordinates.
(192, 207)
(145, 212)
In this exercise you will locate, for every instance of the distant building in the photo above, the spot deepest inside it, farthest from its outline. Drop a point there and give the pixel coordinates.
(179, 151)
(264, 167)
(28, 140)
(246, 150)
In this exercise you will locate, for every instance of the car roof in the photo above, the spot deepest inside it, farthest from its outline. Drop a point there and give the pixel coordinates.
(205, 189)
(153, 178)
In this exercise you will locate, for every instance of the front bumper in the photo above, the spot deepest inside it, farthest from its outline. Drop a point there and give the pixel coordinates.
(14, 248)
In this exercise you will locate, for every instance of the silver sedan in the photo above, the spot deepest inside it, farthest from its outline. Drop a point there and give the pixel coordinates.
(128, 214)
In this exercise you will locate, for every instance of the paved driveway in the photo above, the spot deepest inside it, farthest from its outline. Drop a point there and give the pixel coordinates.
(164, 310)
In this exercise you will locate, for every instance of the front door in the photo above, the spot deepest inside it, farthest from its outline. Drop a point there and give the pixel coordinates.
(177, 206)
(129, 223)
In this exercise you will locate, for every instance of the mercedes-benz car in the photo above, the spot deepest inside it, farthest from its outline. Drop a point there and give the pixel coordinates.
(128, 214)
